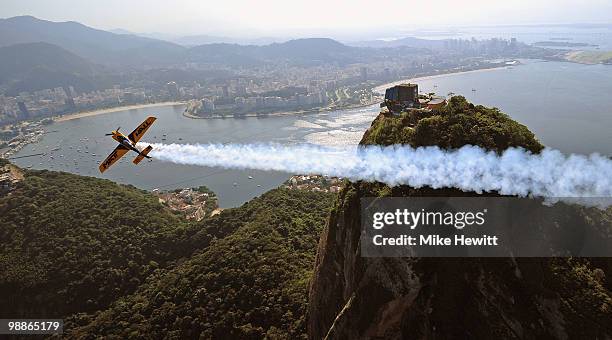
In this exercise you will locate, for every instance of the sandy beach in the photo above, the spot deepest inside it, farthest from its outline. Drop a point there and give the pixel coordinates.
(271, 114)
(381, 88)
(282, 113)
(113, 109)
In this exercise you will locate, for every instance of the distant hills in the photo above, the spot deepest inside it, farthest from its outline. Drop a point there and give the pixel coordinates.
(37, 54)
(95, 45)
(36, 66)
(42, 54)
(20, 58)
(120, 49)
(201, 39)
(402, 42)
(299, 51)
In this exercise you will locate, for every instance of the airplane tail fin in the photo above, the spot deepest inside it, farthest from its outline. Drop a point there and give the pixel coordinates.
(143, 154)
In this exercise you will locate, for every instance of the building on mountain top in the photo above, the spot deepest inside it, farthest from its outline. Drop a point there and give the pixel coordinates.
(406, 96)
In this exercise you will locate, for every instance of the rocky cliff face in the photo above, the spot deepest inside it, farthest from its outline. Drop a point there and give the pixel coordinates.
(353, 297)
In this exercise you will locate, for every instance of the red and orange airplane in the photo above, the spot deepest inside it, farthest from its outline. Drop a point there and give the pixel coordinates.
(128, 143)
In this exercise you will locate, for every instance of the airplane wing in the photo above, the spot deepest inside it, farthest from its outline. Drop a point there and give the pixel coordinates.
(141, 129)
(114, 156)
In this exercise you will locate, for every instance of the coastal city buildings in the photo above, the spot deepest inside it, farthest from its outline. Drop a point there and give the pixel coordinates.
(219, 88)
(10, 175)
(193, 203)
(314, 183)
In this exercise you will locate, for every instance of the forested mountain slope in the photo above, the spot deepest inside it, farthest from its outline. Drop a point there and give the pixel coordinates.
(250, 284)
(70, 243)
(111, 261)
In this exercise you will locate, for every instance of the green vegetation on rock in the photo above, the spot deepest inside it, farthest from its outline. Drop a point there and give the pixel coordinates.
(249, 284)
(457, 124)
(71, 243)
(352, 297)
(112, 261)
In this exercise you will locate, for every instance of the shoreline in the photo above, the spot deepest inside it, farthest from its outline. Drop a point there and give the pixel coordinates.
(84, 114)
(281, 113)
(382, 87)
(589, 57)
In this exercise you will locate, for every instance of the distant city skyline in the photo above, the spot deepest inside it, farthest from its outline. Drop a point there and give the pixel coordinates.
(306, 18)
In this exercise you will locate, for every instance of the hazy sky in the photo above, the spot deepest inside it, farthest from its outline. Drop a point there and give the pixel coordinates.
(298, 17)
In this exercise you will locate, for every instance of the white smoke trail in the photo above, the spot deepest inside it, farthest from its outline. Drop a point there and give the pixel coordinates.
(516, 172)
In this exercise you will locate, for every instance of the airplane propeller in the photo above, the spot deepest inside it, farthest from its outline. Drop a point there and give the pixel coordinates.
(110, 134)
